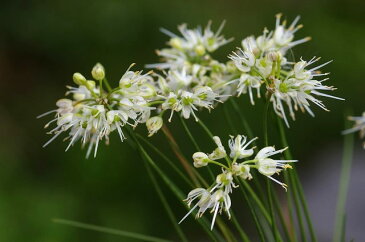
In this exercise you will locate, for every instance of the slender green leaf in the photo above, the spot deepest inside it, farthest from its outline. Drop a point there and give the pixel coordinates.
(108, 230)
(339, 230)
(166, 204)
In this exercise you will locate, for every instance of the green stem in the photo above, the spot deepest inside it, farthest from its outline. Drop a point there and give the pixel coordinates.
(176, 149)
(297, 189)
(107, 85)
(242, 233)
(281, 217)
(165, 204)
(165, 158)
(218, 164)
(289, 197)
(179, 194)
(245, 124)
(195, 145)
(253, 212)
(340, 225)
(274, 227)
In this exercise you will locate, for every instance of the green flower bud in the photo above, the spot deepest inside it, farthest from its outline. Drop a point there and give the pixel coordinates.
(79, 79)
(98, 72)
(199, 50)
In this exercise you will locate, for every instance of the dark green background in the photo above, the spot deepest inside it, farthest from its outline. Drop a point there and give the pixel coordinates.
(43, 42)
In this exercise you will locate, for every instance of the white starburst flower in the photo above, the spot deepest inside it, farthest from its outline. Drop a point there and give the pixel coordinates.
(212, 41)
(192, 47)
(220, 201)
(238, 147)
(205, 97)
(225, 181)
(245, 85)
(268, 166)
(242, 171)
(298, 88)
(243, 60)
(219, 152)
(180, 78)
(204, 202)
(189, 102)
(265, 41)
(358, 126)
(172, 102)
(250, 44)
(283, 37)
(87, 123)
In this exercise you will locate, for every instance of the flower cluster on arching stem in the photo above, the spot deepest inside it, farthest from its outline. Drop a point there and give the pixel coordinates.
(237, 164)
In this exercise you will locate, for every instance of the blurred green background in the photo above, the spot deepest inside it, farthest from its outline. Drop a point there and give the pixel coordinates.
(42, 43)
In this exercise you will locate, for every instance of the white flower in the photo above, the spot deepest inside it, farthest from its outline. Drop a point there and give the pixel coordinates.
(200, 159)
(173, 103)
(246, 83)
(244, 60)
(238, 147)
(219, 152)
(94, 113)
(204, 202)
(268, 166)
(299, 88)
(188, 102)
(193, 47)
(265, 41)
(205, 97)
(220, 201)
(358, 126)
(242, 171)
(225, 180)
(283, 37)
(154, 124)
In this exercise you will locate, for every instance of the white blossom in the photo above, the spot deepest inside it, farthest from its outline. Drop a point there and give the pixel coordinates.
(238, 147)
(358, 126)
(268, 166)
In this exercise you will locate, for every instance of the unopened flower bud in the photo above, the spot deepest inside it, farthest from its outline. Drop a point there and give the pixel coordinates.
(79, 79)
(274, 56)
(200, 159)
(199, 50)
(64, 106)
(154, 124)
(175, 43)
(98, 72)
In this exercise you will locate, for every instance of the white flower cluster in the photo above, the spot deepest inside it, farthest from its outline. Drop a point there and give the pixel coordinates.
(261, 62)
(358, 126)
(188, 80)
(93, 113)
(191, 77)
(217, 197)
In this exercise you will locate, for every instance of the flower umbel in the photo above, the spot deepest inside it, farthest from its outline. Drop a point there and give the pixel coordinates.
(217, 196)
(93, 113)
